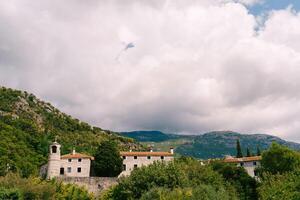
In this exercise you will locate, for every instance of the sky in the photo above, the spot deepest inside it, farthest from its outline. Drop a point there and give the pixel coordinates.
(194, 66)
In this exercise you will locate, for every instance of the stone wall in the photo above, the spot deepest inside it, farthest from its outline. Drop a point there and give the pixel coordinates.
(93, 184)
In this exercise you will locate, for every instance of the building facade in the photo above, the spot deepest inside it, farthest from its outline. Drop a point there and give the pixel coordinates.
(132, 160)
(249, 163)
(69, 165)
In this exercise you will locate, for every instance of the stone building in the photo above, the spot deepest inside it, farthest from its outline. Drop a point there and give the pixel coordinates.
(132, 160)
(69, 165)
(249, 163)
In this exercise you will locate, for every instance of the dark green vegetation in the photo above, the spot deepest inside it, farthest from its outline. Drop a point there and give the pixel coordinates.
(28, 125)
(182, 179)
(108, 162)
(239, 153)
(186, 179)
(210, 145)
(13, 187)
(280, 174)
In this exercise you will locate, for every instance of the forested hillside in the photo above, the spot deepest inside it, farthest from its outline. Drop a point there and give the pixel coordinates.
(28, 125)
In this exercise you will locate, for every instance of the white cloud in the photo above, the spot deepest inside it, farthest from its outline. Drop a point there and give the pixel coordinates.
(197, 65)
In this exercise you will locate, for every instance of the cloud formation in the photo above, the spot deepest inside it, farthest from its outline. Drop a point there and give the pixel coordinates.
(196, 66)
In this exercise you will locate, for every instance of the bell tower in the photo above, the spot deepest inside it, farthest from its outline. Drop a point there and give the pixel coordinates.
(54, 160)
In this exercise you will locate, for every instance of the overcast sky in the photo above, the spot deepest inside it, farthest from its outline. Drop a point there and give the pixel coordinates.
(197, 66)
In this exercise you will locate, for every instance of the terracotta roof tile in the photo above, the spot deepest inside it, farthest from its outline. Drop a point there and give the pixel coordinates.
(76, 155)
(146, 153)
(244, 159)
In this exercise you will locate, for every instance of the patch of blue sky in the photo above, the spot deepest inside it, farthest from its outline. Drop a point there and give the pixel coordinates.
(268, 5)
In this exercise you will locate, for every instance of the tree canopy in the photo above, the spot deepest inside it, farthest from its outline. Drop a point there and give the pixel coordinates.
(108, 161)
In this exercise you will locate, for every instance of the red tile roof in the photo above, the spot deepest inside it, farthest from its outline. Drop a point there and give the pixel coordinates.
(76, 155)
(146, 153)
(244, 159)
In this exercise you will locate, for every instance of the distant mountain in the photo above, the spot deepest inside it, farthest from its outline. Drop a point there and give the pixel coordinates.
(150, 136)
(210, 145)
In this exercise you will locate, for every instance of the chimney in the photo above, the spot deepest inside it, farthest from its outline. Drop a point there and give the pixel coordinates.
(151, 149)
(130, 150)
(73, 152)
(172, 150)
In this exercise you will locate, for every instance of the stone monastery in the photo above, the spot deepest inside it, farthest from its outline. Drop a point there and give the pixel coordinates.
(79, 165)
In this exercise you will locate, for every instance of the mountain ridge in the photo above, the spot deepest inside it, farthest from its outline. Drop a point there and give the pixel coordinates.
(214, 144)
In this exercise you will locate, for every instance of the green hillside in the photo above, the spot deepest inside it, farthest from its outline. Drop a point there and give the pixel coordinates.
(209, 145)
(28, 125)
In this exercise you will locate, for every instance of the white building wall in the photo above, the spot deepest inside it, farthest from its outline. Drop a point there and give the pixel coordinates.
(250, 167)
(129, 161)
(85, 166)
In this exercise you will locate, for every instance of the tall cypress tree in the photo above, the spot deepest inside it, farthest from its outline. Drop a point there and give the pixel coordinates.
(248, 152)
(239, 153)
(258, 153)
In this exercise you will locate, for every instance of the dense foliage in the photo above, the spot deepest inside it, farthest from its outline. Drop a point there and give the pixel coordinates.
(245, 185)
(180, 179)
(28, 125)
(108, 162)
(13, 187)
(280, 159)
(280, 174)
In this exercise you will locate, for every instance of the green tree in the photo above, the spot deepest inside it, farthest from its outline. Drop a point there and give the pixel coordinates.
(239, 153)
(108, 161)
(248, 152)
(258, 152)
(181, 179)
(280, 187)
(279, 159)
(245, 185)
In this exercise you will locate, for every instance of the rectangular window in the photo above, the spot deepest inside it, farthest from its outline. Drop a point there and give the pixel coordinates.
(148, 157)
(69, 160)
(135, 157)
(162, 157)
(242, 164)
(124, 167)
(124, 157)
(254, 163)
(79, 159)
(135, 166)
(61, 171)
(79, 169)
(69, 169)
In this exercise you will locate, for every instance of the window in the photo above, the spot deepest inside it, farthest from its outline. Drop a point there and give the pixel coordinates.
(69, 169)
(69, 160)
(254, 163)
(61, 171)
(124, 167)
(79, 159)
(135, 157)
(135, 166)
(124, 157)
(54, 149)
(242, 164)
(79, 169)
(148, 157)
(162, 157)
